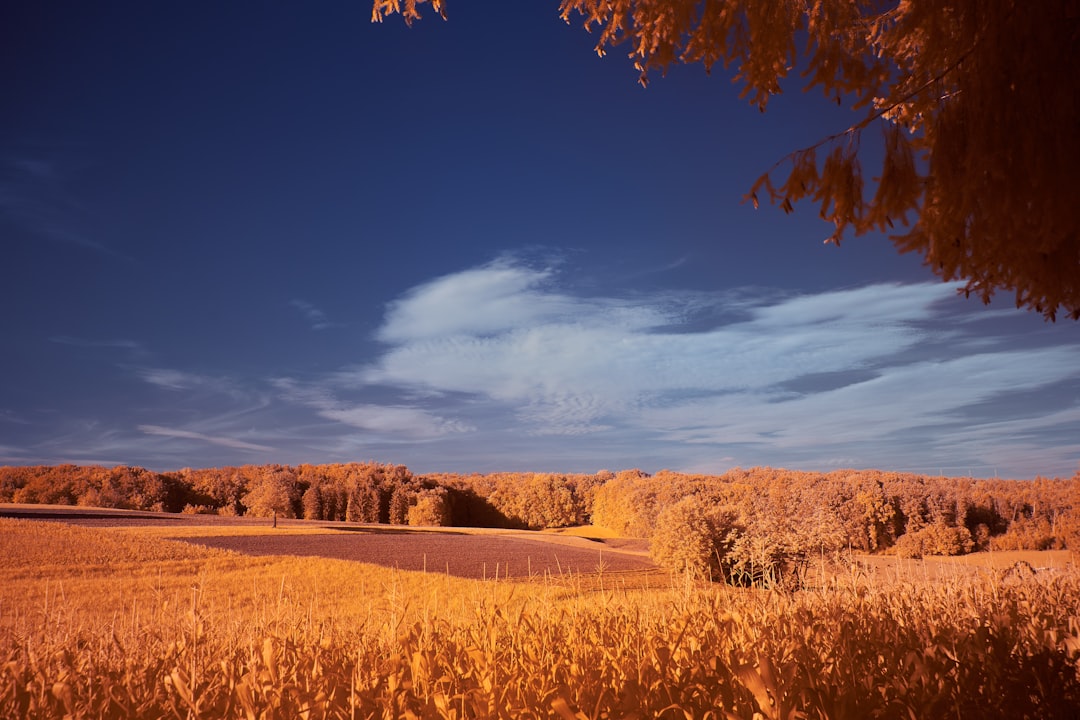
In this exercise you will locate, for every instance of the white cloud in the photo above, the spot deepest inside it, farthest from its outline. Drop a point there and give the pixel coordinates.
(394, 420)
(199, 385)
(490, 300)
(915, 396)
(315, 317)
(34, 195)
(133, 346)
(170, 379)
(9, 416)
(385, 420)
(565, 363)
(213, 440)
(887, 373)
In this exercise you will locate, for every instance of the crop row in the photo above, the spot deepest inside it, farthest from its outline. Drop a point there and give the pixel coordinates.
(1009, 649)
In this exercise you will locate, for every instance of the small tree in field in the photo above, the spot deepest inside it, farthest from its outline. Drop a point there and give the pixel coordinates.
(271, 493)
(694, 536)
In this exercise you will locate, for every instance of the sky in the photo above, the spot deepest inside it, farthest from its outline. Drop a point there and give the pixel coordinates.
(248, 233)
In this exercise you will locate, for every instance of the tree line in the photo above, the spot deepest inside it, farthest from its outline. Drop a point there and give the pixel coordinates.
(742, 523)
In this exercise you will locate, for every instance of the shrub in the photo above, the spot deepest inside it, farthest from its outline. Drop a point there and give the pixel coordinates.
(431, 508)
(694, 536)
(190, 509)
(935, 539)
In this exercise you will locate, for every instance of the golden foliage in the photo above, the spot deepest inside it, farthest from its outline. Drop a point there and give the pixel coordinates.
(978, 102)
(407, 9)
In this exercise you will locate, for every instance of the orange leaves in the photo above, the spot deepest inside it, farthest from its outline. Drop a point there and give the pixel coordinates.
(408, 10)
(804, 177)
(899, 185)
(837, 187)
(840, 192)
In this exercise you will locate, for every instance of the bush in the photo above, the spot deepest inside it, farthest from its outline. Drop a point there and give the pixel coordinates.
(190, 509)
(431, 508)
(694, 536)
(935, 539)
(1027, 534)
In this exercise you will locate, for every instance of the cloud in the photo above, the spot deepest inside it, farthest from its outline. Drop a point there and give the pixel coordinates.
(189, 435)
(394, 420)
(497, 297)
(204, 385)
(386, 420)
(34, 195)
(567, 362)
(873, 372)
(315, 317)
(133, 346)
(170, 379)
(923, 395)
(40, 169)
(510, 366)
(8, 416)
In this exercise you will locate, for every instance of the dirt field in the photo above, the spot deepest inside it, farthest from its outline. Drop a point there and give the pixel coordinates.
(462, 552)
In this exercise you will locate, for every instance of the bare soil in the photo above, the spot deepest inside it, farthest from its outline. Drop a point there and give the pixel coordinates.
(463, 552)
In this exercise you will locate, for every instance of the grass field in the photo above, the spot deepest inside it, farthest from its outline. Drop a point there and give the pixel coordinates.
(122, 622)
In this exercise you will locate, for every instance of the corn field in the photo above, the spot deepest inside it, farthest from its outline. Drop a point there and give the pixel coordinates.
(218, 636)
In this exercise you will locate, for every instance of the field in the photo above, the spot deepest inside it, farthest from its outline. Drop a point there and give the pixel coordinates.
(115, 617)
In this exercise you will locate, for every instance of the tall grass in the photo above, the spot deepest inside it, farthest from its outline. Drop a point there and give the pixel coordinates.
(219, 635)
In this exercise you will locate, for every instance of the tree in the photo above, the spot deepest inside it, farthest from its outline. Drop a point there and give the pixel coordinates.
(536, 500)
(399, 505)
(430, 509)
(313, 504)
(694, 536)
(977, 102)
(273, 492)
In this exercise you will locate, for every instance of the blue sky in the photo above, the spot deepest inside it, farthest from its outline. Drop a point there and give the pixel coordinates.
(239, 234)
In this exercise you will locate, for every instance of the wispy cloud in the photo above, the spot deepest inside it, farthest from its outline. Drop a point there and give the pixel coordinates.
(34, 196)
(315, 317)
(212, 440)
(564, 362)
(498, 297)
(171, 379)
(135, 347)
(36, 168)
(385, 420)
(870, 373)
(207, 385)
(410, 422)
(9, 416)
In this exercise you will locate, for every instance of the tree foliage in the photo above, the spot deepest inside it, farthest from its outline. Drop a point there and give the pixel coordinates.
(273, 492)
(431, 508)
(695, 536)
(752, 526)
(976, 102)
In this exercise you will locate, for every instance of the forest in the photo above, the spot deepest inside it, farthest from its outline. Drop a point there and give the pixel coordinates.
(758, 525)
